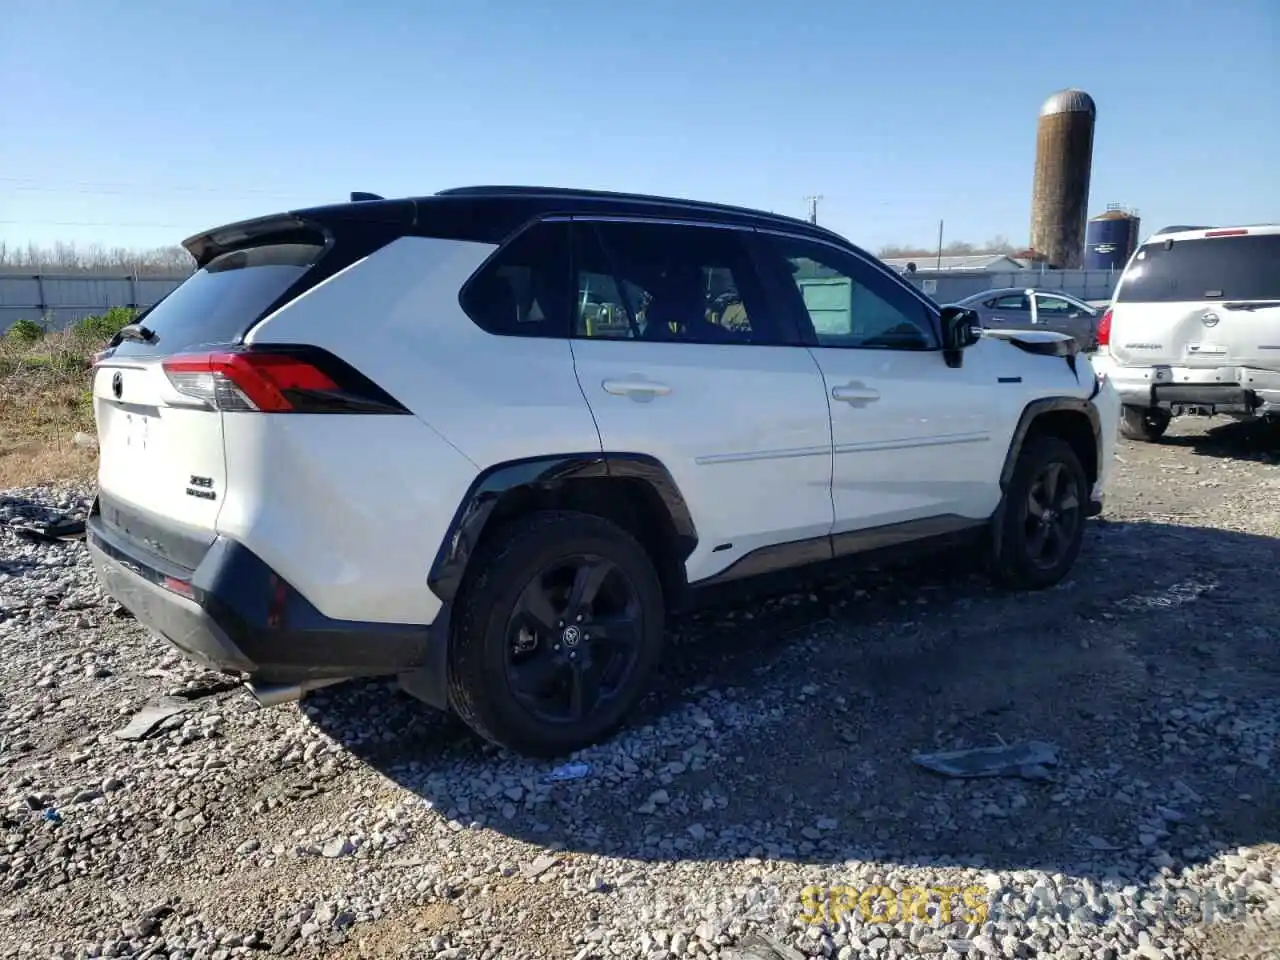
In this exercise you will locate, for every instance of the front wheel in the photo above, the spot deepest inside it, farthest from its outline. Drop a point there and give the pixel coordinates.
(1144, 423)
(1042, 525)
(556, 635)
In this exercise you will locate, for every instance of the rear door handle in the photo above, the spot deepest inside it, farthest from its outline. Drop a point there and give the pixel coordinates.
(855, 394)
(635, 387)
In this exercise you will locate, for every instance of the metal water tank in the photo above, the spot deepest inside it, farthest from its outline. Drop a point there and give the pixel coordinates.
(1060, 191)
(1110, 239)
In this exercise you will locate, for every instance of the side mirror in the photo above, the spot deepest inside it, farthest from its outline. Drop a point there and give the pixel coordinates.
(961, 328)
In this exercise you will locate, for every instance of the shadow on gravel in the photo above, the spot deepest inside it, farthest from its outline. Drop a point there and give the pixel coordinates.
(786, 730)
(1256, 441)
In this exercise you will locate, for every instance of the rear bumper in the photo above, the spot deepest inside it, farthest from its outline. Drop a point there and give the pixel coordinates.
(234, 614)
(1235, 390)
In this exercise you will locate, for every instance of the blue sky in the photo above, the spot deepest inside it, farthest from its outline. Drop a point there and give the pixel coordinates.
(141, 122)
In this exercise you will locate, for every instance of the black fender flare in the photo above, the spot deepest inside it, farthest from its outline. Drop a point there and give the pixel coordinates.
(1037, 408)
(546, 472)
(1033, 410)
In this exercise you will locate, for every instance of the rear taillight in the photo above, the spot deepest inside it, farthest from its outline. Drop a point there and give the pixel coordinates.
(1104, 329)
(276, 380)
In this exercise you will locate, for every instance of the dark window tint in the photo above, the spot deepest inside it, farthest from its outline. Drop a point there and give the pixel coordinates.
(672, 283)
(523, 291)
(218, 303)
(1013, 301)
(1223, 268)
(851, 304)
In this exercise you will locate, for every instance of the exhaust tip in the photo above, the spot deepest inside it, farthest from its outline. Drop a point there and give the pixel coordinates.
(275, 694)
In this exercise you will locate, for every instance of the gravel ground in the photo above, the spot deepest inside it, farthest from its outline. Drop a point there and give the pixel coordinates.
(765, 804)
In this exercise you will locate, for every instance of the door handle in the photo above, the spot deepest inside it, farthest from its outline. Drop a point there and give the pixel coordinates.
(635, 387)
(855, 394)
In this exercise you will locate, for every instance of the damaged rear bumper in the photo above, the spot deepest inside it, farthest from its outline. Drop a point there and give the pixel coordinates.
(234, 614)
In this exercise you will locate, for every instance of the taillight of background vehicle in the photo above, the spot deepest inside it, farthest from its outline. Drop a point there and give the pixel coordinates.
(276, 379)
(1104, 329)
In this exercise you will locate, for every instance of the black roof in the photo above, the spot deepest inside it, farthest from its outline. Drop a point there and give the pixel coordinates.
(491, 213)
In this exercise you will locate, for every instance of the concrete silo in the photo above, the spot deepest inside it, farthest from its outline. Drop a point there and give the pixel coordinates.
(1060, 192)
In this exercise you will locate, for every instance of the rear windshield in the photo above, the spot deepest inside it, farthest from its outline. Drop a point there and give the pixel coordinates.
(1223, 268)
(217, 304)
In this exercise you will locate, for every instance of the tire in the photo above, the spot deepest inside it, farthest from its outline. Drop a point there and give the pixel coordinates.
(1016, 563)
(505, 653)
(1142, 423)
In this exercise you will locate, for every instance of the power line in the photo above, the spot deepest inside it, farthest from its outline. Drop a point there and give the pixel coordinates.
(107, 226)
(36, 185)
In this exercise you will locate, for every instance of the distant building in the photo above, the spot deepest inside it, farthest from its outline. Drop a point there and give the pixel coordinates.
(991, 262)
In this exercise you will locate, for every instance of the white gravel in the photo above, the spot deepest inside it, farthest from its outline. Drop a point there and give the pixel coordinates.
(769, 774)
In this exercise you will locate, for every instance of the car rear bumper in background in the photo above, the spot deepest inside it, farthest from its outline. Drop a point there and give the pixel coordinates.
(234, 614)
(1217, 389)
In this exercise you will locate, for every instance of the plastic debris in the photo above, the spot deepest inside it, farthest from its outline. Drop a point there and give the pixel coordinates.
(146, 720)
(64, 528)
(1028, 760)
(53, 816)
(569, 771)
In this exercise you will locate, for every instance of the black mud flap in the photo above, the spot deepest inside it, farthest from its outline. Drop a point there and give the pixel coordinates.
(430, 682)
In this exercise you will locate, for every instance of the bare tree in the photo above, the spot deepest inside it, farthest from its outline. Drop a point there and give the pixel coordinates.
(956, 248)
(69, 258)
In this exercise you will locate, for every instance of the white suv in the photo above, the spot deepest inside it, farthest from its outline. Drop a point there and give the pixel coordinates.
(485, 441)
(1194, 328)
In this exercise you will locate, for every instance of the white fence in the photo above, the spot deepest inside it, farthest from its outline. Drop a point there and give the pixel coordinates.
(56, 301)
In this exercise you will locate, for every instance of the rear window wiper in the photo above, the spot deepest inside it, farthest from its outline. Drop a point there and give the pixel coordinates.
(1253, 305)
(136, 332)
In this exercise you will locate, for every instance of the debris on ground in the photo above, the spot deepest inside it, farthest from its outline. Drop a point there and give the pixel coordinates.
(1029, 760)
(149, 718)
(569, 771)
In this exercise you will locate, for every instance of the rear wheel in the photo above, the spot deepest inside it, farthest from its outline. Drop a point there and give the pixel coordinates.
(1042, 526)
(556, 635)
(1144, 423)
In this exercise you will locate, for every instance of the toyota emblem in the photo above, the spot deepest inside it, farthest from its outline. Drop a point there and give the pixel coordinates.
(1210, 319)
(117, 384)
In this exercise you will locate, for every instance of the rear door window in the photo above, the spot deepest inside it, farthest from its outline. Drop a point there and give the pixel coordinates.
(219, 302)
(1221, 268)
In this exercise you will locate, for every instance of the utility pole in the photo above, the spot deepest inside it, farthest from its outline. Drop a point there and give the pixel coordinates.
(939, 244)
(813, 207)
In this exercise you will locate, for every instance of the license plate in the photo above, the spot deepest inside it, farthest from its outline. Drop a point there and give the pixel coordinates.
(136, 428)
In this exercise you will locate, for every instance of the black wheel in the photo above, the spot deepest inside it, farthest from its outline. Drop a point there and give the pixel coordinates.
(556, 634)
(1142, 423)
(1044, 513)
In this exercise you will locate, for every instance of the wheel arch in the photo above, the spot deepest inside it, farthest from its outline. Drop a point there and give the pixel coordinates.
(1073, 419)
(635, 491)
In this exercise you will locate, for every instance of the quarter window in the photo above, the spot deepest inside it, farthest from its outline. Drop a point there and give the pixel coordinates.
(524, 290)
(849, 303)
(669, 283)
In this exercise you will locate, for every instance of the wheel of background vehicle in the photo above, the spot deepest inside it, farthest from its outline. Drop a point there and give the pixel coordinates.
(556, 635)
(1043, 522)
(1143, 423)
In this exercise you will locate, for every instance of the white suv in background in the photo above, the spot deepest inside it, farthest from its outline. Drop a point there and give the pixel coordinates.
(1194, 328)
(485, 441)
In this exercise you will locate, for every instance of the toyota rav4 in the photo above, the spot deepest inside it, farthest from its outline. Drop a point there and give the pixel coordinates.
(486, 441)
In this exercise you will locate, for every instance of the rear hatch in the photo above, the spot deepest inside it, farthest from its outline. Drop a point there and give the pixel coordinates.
(1208, 298)
(162, 472)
